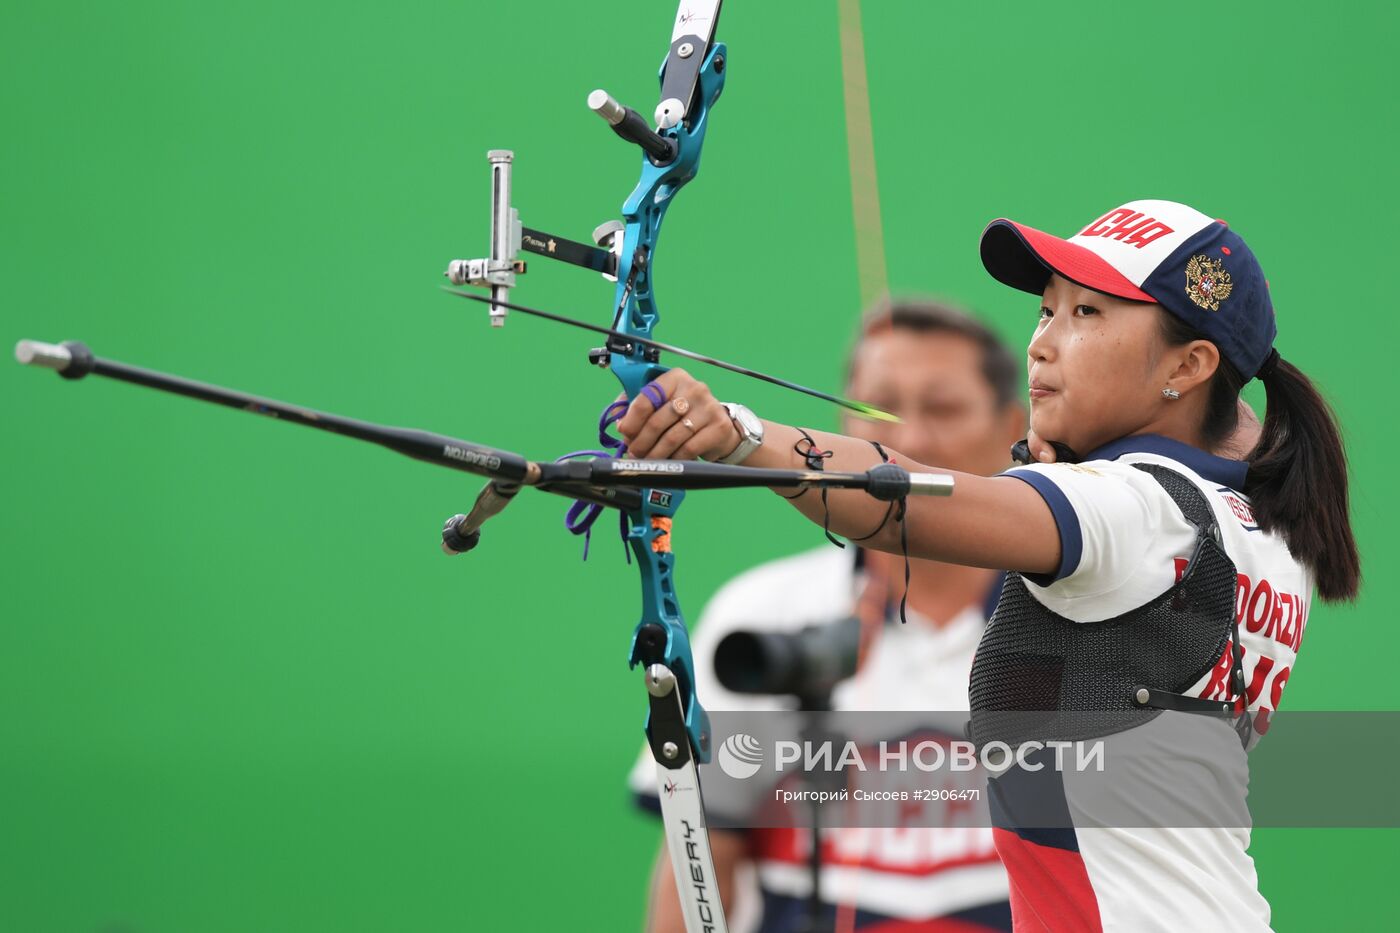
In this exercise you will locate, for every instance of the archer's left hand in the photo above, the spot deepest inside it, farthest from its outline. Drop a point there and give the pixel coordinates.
(676, 417)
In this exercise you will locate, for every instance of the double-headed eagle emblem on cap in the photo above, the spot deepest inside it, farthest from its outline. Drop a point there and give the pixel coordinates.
(1207, 282)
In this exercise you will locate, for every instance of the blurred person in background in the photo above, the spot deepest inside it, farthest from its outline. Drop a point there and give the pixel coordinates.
(959, 393)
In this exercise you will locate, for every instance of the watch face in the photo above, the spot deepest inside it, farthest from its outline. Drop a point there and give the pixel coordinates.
(749, 421)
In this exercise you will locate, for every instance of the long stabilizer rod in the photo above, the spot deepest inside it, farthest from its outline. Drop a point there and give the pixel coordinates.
(73, 360)
(605, 480)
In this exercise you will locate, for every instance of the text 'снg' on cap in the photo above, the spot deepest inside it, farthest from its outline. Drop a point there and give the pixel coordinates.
(1194, 266)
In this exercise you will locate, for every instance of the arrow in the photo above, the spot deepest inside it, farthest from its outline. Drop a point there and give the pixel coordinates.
(860, 408)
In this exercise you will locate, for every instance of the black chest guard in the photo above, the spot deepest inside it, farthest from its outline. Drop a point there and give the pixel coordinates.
(1116, 673)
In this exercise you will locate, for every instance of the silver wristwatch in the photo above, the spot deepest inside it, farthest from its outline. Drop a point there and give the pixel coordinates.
(750, 432)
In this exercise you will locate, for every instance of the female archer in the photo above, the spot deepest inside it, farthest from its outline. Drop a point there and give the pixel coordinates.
(1148, 573)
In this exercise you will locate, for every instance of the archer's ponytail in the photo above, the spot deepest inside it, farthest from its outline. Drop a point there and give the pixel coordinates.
(1297, 482)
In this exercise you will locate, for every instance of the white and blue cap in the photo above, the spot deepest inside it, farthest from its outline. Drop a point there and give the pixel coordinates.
(1193, 265)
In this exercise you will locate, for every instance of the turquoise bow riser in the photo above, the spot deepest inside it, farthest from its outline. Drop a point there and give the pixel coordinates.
(649, 532)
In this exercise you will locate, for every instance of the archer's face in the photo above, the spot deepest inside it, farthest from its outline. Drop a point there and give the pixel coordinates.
(1091, 366)
(934, 383)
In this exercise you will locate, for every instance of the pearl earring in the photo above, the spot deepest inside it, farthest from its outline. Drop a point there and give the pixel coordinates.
(1171, 393)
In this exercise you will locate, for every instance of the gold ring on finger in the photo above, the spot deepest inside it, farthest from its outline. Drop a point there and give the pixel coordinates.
(679, 405)
(688, 423)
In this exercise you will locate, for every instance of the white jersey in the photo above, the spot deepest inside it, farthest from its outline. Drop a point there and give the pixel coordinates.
(1124, 542)
(886, 879)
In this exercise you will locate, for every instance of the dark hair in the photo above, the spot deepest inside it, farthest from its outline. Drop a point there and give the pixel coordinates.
(1297, 480)
(999, 367)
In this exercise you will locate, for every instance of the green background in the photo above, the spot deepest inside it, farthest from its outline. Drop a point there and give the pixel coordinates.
(240, 689)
